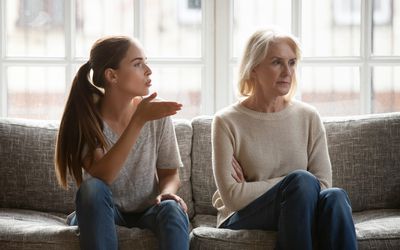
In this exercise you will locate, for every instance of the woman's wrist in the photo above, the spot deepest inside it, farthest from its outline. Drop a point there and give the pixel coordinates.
(137, 121)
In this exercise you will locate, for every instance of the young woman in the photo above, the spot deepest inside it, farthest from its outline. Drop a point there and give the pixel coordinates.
(121, 150)
(270, 156)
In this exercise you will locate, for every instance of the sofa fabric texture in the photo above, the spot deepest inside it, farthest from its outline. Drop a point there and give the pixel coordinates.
(364, 152)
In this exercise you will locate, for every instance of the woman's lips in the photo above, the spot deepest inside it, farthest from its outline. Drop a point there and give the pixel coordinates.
(283, 82)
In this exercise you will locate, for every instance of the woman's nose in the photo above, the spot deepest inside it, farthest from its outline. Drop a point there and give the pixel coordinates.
(148, 70)
(287, 70)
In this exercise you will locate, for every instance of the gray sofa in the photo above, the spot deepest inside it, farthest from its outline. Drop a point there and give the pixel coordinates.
(364, 150)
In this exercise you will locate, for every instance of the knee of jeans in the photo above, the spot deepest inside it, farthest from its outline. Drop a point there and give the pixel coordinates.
(171, 209)
(335, 197)
(304, 180)
(93, 190)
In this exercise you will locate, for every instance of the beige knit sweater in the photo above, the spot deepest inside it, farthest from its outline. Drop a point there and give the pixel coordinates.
(268, 146)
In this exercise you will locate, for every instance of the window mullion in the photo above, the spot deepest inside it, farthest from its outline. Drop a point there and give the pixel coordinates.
(223, 45)
(70, 35)
(3, 78)
(138, 19)
(366, 51)
(208, 55)
(296, 18)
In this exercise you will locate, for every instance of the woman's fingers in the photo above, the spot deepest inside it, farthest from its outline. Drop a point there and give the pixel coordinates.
(234, 175)
(153, 110)
(183, 205)
(170, 196)
(150, 97)
(237, 171)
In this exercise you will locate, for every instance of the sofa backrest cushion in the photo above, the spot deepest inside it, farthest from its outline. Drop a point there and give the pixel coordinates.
(202, 175)
(364, 151)
(27, 176)
(184, 133)
(365, 157)
(27, 167)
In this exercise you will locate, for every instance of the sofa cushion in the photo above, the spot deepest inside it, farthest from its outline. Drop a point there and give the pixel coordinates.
(26, 229)
(205, 238)
(364, 152)
(184, 134)
(202, 175)
(376, 229)
(27, 176)
(380, 224)
(204, 220)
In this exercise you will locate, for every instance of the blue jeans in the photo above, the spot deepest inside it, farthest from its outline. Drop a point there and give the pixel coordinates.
(301, 214)
(96, 216)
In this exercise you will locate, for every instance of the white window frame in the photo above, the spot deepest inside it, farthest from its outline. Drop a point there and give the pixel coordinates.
(205, 62)
(3, 87)
(216, 61)
(366, 61)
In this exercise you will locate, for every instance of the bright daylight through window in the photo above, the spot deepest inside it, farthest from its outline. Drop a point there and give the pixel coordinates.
(350, 64)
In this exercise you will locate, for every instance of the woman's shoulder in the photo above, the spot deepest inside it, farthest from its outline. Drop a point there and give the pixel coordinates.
(304, 108)
(160, 124)
(228, 113)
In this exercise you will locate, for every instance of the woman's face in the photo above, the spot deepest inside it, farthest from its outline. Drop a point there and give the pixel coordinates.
(133, 74)
(273, 76)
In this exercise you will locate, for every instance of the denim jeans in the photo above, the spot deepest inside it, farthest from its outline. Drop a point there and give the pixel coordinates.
(96, 216)
(302, 214)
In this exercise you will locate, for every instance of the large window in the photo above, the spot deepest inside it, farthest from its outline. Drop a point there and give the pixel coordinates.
(44, 42)
(350, 64)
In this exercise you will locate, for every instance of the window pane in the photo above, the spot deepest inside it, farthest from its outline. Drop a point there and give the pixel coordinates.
(172, 28)
(332, 90)
(34, 28)
(386, 89)
(328, 31)
(386, 20)
(251, 15)
(35, 92)
(181, 84)
(97, 18)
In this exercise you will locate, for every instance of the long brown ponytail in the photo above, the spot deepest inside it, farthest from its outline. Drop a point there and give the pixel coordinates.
(81, 124)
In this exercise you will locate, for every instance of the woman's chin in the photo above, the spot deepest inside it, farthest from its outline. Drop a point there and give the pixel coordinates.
(142, 93)
(284, 91)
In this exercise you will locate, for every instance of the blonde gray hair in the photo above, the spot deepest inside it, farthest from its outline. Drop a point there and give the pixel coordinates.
(256, 50)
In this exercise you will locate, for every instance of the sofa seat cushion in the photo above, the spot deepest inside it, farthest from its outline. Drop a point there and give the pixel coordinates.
(204, 220)
(214, 238)
(206, 236)
(27, 229)
(378, 229)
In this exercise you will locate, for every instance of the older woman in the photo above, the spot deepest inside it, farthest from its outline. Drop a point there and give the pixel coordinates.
(270, 156)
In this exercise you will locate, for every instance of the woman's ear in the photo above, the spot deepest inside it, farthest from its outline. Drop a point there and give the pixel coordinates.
(111, 75)
(252, 75)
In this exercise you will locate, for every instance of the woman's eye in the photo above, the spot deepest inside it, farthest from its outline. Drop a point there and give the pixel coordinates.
(275, 62)
(137, 64)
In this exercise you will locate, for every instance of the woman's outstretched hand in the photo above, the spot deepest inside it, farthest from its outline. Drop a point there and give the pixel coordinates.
(149, 109)
(237, 171)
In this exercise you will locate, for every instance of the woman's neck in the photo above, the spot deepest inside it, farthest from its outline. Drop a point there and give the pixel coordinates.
(117, 111)
(265, 104)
